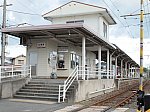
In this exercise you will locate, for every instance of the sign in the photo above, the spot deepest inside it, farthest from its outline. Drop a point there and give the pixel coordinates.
(41, 45)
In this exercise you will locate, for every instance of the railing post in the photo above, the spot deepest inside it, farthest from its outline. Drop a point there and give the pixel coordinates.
(88, 74)
(77, 72)
(0, 74)
(59, 95)
(12, 71)
(30, 71)
(64, 92)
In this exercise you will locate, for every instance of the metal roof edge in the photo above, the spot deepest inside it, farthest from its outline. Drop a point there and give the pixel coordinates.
(34, 28)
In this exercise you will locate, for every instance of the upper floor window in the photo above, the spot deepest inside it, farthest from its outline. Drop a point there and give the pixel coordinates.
(105, 30)
(77, 21)
(20, 61)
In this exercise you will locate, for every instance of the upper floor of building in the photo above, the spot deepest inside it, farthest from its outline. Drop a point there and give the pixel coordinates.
(96, 18)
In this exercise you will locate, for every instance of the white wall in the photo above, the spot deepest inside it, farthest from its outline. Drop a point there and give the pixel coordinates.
(42, 56)
(93, 21)
(43, 68)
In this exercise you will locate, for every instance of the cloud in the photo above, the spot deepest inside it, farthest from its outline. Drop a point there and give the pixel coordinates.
(119, 34)
(132, 47)
(15, 50)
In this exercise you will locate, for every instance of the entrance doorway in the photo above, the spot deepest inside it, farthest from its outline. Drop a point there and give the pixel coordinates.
(33, 63)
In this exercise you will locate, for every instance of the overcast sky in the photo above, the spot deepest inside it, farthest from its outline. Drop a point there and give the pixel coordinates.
(125, 33)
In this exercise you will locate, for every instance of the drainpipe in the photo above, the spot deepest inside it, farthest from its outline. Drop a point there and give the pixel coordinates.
(83, 58)
(111, 64)
(107, 64)
(99, 62)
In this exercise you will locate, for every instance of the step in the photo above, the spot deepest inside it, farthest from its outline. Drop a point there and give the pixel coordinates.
(37, 94)
(41, 91)
(47, 83)
(44, 86)
(40, 88)
(48, 80)
(36, 97)
(44, 83)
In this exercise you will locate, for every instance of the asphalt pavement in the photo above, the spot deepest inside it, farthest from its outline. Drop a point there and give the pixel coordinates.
(7, 105)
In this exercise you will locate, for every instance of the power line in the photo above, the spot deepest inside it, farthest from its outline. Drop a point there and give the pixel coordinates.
(26, 7)
(24, 13)
(148, 16)
(121, 14)
(130, 34)
(139, 9)
(147, 26)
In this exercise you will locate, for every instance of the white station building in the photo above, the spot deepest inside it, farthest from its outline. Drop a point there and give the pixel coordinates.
(76, 39)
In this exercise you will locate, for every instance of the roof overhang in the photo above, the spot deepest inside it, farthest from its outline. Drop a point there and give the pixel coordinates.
(123, 56)
(56, 13)
(71, 33)
(68, 33)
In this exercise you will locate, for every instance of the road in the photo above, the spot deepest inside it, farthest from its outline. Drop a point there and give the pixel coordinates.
(10, 106)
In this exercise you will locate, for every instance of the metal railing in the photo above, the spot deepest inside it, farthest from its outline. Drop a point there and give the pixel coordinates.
(83, 73)
(67, 83)
(96, 73)
(14, 71)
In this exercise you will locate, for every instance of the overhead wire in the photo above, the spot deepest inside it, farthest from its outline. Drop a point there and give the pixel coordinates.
(147, 3)
(129, 33)
(27, 7)
(147, 28)
(33, 14)
(121, 14)
(139, 9)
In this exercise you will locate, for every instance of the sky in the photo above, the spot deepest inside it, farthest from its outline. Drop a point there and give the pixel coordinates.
(124, 34)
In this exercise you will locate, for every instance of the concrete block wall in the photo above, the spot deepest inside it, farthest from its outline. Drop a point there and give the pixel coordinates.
(9, 88)
(91, 88)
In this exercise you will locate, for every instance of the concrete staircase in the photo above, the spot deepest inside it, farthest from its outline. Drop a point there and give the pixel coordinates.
(44, 89)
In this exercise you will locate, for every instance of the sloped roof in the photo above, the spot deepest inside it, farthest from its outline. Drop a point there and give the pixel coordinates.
(73, 8)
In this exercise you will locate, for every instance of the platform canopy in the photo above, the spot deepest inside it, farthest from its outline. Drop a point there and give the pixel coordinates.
(70, 33)
(67, 33)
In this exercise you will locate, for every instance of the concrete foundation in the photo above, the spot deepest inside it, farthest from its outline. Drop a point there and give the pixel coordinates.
(90, 88)
(9, 88)
(122, 83)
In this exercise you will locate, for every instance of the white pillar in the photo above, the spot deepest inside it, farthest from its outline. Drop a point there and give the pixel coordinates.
(111, 66)
(129, 71)
(83, 58)
(116, 67)
(126, 69)
(121, 68)
(99, 62)
(107, 64)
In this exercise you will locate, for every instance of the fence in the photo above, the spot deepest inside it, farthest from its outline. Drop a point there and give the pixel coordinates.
(14, 71)
(84, 73)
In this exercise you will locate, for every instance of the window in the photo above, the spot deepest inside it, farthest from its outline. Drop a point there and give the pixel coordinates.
(77, 21)
(61, 61)
(20, 61)
(105, 30)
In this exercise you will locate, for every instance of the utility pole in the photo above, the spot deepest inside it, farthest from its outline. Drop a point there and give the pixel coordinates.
(3, 38)
(3, 35)
(140, 92)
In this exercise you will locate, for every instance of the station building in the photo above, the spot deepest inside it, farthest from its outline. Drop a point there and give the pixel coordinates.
(77, 38)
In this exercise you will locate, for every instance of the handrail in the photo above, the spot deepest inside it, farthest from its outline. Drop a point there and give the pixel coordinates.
(67, 83)
(75, 73)
(13, 71)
